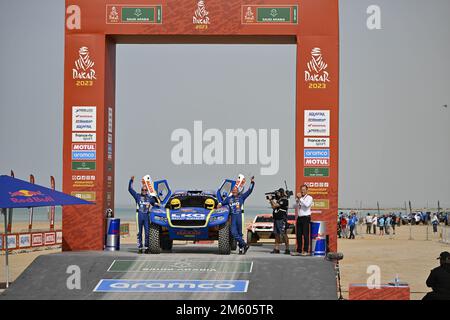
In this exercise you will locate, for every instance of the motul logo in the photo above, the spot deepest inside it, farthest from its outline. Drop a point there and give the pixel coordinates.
(83, 147)
(317, 162)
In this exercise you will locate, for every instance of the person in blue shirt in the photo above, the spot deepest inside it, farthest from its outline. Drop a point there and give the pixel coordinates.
(381, 225)
(144, 202)
(235, 202)
(387, 224)
(352, 223)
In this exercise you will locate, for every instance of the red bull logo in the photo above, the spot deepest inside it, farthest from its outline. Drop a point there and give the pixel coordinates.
(25, 193)
(28, 196)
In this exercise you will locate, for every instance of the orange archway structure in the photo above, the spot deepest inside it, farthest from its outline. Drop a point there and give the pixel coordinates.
(94, 27)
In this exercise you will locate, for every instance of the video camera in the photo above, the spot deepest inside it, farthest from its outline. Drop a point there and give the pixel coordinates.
(274, 195)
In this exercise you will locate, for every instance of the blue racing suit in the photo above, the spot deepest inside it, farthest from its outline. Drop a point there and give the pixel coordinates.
(235, 204)
(143, 206)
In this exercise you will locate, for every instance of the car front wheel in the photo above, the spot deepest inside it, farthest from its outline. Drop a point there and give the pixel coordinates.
(155, 240)
(249, 237)
(224, 239)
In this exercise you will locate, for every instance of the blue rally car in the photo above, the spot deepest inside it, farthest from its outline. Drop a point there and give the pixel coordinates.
(190, 215)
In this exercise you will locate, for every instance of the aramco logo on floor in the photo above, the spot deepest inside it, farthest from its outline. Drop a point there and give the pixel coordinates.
(123, 285)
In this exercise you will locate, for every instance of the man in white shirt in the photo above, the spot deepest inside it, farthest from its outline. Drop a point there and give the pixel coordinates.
(368, 220)
(304, 203)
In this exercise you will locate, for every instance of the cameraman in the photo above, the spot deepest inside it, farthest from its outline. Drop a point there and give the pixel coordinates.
(280, 206)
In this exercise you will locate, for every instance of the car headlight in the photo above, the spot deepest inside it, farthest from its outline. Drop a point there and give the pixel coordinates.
(217, 218)
(161, 219)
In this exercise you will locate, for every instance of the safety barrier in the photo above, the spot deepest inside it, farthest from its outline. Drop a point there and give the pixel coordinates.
(31, 240)
(406, 232)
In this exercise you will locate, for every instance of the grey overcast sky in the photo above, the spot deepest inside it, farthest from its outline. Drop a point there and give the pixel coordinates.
(394, 130)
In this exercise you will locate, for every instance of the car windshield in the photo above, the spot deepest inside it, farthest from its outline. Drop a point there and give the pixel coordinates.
(188, 201)
(264, 219)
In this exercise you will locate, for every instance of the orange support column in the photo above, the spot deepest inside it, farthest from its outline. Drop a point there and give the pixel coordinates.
(88, 124)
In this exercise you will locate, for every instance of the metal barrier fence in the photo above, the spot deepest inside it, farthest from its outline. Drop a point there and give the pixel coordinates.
(422, 232)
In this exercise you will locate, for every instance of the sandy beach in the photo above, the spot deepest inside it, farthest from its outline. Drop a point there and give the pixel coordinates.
(412, 259)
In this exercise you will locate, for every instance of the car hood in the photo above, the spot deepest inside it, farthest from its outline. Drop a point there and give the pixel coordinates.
(262, 224)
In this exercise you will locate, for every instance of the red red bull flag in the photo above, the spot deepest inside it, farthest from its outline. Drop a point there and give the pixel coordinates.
(16, 193)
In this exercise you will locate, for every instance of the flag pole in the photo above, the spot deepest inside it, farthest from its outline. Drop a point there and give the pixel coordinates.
(52, 208)
(4, 211)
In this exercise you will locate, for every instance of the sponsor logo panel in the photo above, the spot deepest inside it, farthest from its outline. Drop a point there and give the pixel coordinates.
(12, 241)
(110, 151)
(84, 118)
(84, 137)
(85, 195)
(49, 238)
(28, 196)
(317, 142)
(37, 239)
(317, 153)
(83, 155)
(321, 204)
(84, 147)
(133, 14)
(24, 240)
(124, 286)
(110, 120)
(188, 216)
(318, 188)
(83, 181)
(316, 172)
(83, 165)
(316, 162)
(265, 14)
(109, 182)
(58, 237)
(201, 233)
(317, 123)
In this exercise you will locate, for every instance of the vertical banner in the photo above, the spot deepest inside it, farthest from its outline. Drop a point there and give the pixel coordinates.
(85, 140)
(318, 127)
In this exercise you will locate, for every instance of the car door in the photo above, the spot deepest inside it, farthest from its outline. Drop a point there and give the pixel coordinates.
(225, 189)
(163, 190)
